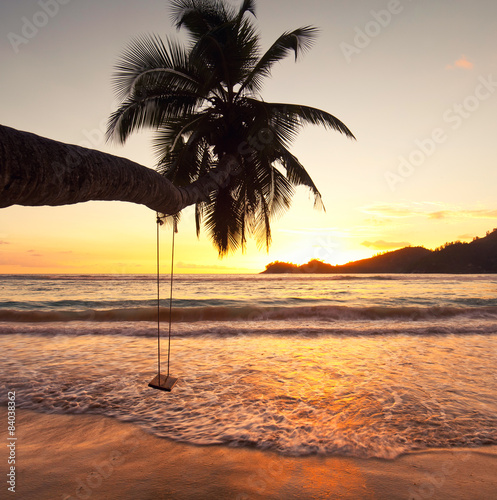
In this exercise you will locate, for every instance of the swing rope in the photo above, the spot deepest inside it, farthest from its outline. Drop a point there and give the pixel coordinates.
(171, 297)
(159, 223)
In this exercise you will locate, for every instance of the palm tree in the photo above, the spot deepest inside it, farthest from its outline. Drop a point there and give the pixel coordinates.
(204, 103)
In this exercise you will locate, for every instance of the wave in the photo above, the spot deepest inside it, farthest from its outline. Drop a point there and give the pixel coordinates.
(226, 330)
(251, 313)
(229, 277)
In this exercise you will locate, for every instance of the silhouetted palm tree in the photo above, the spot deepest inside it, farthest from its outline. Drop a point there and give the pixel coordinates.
(204, 102)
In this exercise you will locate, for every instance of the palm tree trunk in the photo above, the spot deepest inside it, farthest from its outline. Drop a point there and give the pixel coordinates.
(38, 171)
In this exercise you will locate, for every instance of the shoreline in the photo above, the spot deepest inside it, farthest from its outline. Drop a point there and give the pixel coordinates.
(88, 456)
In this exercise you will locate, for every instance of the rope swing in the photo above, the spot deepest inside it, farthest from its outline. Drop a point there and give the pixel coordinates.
(160, 381)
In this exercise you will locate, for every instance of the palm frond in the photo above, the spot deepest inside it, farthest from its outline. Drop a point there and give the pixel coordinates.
(216, 56)
(205, 165)
(297, 41)
(229, 51)
(262, 230)
(152, 62)
(293, 117)
(267, 194)
(282, 193)
(223, 222)
(171, 135)
(199, 213)
(246, 51)
(138, 112)
(272, 129)
(199, 17)
(298, 175)
(247, 6)
(181, 165)
(309, 115)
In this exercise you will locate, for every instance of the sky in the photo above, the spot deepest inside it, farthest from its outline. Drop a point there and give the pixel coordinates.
(415, 81)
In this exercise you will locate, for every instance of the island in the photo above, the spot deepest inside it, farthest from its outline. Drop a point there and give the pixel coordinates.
(477, 257)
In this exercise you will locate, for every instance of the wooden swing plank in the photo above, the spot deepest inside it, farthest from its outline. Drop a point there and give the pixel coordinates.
(163, 382)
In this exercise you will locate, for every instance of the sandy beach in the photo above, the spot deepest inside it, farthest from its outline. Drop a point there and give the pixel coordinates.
(83, 456)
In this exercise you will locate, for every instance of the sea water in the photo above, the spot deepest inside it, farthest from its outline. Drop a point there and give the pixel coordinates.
(358, 365)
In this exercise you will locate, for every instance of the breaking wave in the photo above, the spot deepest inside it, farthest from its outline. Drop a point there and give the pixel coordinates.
(251, 313)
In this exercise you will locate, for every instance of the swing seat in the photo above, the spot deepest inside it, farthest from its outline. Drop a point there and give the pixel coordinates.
(163, 382)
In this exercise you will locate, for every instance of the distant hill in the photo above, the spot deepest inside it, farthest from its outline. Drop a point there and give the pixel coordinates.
(477, 257)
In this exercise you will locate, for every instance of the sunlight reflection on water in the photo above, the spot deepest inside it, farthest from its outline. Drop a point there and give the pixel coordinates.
(357, 396)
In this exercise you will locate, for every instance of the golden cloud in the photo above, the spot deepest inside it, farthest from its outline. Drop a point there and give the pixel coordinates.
(385, 245)
(461, 63)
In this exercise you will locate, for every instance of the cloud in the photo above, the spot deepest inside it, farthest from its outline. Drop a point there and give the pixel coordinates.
(3, 242)
(385, 245)
(401, 210)
(390, 211)
(186, 265)
(442, 214)
(373, 221)
(461, 63)
(482, 214)
(318, 232)
(425, 209)
(464, 214)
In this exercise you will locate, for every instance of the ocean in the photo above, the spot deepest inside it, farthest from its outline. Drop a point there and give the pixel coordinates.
(355, 365)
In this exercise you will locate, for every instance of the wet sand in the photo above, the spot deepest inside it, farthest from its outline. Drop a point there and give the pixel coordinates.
(84, 456)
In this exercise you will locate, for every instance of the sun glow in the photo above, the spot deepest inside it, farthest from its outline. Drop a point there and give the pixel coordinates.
(323, 247)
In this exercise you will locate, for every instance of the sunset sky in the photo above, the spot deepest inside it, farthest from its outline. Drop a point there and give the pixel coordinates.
(415, 81)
